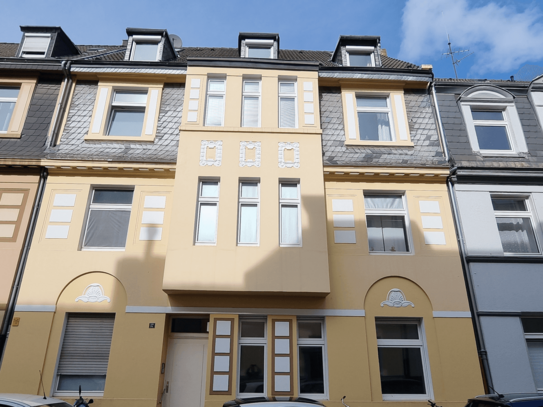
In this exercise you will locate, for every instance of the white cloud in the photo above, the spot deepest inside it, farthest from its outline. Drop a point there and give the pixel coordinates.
(501, 37)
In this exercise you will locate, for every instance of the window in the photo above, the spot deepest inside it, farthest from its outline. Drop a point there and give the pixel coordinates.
(289, 207)
(127, 113)
(360, 56)
(249, 213)
(145, 47)
(259, 48)
(108, 219)
(386, 219)
(491, 129)
(208, 209)
(288, 113)
(84, 354)
(533, 332)
(8, 99)
(403, 361)
(252, 358)
(251, 103)
(216, 89)
(515, 225)
(374, 118)
(35, 45)
(311, 358)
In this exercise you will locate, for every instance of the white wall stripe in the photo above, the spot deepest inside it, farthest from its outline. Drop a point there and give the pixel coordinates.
(35, 308)
(452, 314)
(256, 311)
(351, 126)
(401, 117)
(97, 125)
(150, 125)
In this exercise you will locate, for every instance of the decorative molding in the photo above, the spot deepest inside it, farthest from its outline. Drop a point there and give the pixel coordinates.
(93, 293)
(243, 145)
(247, 311)
(396, 299)
(289, 146)
(217, 144)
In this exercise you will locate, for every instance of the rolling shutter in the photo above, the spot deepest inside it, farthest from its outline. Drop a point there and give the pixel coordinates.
(36, 43)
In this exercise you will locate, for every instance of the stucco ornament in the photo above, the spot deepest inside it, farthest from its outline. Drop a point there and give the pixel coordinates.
(93, 293)
(243, 145)
(289, 146)
(212, 144)
(396, 299)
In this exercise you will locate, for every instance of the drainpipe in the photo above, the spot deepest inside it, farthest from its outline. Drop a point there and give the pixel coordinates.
(61, 107)
(8, 317)
(479, 338)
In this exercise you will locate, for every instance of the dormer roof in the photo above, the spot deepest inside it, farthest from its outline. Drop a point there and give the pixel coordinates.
(155, 40)
(45, 42)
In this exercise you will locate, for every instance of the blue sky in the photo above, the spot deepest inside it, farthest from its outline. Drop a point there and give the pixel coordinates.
(503, 34)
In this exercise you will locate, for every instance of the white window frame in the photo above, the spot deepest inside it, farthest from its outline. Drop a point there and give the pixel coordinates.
(129, 106)
(537, 100)
(207, 200)
(9, 100)
(529, 213)
(145, 39)
(120, 207)
(253, 341)
(387, 110)
(249, 43)
(24, 53)
(252, 95)
(360, 51)
(391, 212)
(532, 337)
(290, 202)
(409, 343)
(315, 342)
(249, 201)
(289, 96)
(215, 93)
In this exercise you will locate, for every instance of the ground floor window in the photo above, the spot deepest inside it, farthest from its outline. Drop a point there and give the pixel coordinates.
(533, 332)
(311, 358)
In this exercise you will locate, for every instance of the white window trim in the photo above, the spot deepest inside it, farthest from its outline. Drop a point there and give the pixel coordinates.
(215, 93)
(258, 44)
(9, 100)
(360, 51)
(289, 96)
(121, 207)
(202, 200)
(249, 201)
(145, 39)
(23, 54)
(315, 342)
(290, 202)
(387, 110)
(529, 213)
(536, 97)
(139, 106)
(409, 343)
(252, 94)
(392, 212)
(253, 341)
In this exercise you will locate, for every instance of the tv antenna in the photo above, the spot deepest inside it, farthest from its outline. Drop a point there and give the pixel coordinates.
(452, 53)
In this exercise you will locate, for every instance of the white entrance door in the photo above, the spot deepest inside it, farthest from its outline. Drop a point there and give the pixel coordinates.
(186, 363)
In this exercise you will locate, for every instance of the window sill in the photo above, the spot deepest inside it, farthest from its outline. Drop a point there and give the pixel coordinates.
(103, 249)
(499, 153)
(405, 397)
(101, 137)
(10, 134)
(391, 253)
(379, 143)
(198, 127)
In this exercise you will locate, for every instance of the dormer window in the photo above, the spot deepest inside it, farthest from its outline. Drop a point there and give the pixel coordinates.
(35, 45)
(360, 56)
(259, 48)
(145, 48)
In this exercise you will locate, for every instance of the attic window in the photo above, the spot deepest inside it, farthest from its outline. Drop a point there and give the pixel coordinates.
(35, 45)
(259, 49)
(360, 56)
(145, 47)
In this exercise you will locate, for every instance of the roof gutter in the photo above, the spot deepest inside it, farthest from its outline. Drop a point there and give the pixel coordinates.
(62, 104)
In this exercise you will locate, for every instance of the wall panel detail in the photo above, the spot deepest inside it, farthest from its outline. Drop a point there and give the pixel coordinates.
(211, 153)
(282, 356)
(289, 155)
(222, 356)
(12, 207)
(250, 153)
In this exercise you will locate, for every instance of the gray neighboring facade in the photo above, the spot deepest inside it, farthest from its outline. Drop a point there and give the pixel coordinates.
(493, 132)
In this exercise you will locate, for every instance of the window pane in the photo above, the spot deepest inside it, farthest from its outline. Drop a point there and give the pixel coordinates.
(248, 224)
(287, 112)
(397, 331)
(216, 86)
(289, 224)
(6, 110)
(375, 234)
(252, 87)
(251, 369)
(207, 227)
(250, 111)
(359, 59)
(126, 122)
(107, 228)
(209, 190)
(87, 383)
(387, 233)
(309, 329)
(287, 87)
(374, 126)
(535, 354)
(109, 196)
(486, 115)
(130, 97)
(145, 52)
(311, 369)
(401, 371)
(383, 202)
(190, 325)
(509, 204)
(371, 102)
(253, 329)
(249, 190)
(517, 235)
(9, 92)
(532, 325)
(256, 52)
(289, 191)
(492, 138)
(215, 110)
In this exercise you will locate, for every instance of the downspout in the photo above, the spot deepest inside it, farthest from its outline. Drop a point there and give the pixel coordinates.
(61, 107)
(479, 338)
(10, 310)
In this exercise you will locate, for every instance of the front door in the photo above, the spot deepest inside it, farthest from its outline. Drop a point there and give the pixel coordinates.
(186, 363)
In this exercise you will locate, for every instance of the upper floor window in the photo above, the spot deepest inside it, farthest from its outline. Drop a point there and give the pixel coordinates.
(35, 45)
(374, 118)
(8, 98)
(216, 93)
(360, 56)
(491, 130)
(127, 113)
(208, 211)
(290, 223)
(251, 103)
(249, 213)
(259, 48)
(145, 47)
(288, 113)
